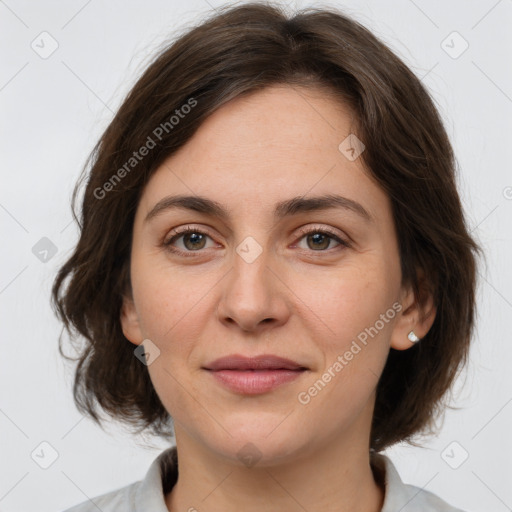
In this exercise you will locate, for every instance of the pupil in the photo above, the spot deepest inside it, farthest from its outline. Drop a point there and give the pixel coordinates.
(193, 238)
(320, 241)
(318, 237)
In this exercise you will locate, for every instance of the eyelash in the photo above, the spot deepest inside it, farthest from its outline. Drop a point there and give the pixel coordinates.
(303, 232)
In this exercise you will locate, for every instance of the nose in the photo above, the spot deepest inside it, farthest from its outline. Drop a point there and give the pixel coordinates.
(253, 298)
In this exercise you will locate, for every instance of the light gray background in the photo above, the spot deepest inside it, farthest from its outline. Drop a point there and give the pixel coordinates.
(53, 111)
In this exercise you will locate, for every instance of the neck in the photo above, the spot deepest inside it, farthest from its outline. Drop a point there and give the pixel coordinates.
(337, 477)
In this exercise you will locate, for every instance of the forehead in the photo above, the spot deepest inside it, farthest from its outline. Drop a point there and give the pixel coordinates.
(265, 147)
(278, 117)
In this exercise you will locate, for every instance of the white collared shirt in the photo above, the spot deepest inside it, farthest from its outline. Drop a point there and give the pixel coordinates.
(148, 495)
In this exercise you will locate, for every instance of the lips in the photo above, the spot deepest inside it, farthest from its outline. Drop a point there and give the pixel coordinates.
(254, 375)
(263, 362)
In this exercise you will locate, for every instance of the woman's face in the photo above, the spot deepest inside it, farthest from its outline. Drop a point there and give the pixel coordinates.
(275, 269)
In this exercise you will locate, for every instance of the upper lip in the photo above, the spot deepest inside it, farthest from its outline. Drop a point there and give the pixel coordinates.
(262, 362)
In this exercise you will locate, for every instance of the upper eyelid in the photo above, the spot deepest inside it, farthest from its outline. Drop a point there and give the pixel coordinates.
(183, 230)
(303, 231)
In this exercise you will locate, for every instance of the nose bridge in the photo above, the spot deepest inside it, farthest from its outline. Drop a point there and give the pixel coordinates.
(251, 297)
(249, 282)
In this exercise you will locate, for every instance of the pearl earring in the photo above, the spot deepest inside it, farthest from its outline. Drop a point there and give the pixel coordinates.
(412, 337)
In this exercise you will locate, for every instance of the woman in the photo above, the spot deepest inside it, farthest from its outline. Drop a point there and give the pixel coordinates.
(273, 253)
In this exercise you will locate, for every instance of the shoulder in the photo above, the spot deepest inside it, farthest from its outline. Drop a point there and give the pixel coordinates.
(147, 494)
(405, 497)
(120, 499)
(420, 500)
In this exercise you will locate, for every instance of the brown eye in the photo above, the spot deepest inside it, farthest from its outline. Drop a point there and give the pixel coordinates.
(187, 241)
(194, 241)
(319, 240)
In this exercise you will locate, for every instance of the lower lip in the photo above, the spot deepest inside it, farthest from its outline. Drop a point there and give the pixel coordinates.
(254, 382)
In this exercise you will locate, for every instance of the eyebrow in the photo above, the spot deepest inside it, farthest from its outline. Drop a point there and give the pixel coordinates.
(283, 209)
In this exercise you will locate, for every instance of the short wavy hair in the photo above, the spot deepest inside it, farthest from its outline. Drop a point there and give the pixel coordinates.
(239, 50)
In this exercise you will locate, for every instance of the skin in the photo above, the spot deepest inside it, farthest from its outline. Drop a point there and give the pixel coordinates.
(294, 300)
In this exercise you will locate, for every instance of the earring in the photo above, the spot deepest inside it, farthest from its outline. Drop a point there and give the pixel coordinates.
(412, 337)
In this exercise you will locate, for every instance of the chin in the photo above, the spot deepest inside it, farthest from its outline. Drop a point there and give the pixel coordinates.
(258, 439)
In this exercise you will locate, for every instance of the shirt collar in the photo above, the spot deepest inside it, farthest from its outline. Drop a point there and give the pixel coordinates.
(396, 495)
(163, 474)
(150, 494)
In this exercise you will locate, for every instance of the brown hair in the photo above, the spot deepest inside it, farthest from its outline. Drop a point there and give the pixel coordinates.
(240, 50)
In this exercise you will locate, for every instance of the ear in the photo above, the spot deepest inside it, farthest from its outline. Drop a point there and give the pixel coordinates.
(418, 314)
(130, 321)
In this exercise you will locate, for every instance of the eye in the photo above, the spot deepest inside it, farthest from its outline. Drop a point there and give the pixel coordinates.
(189, 240)
(192, 240)
(320, 240)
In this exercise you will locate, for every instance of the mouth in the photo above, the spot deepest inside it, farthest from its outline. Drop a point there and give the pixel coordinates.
(254, 375)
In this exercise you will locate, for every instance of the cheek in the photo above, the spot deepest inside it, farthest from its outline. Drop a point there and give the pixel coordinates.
(358, 305)
(352, 359)
(355, 306)
(173, 314)
(168, 299)
(344, 302)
